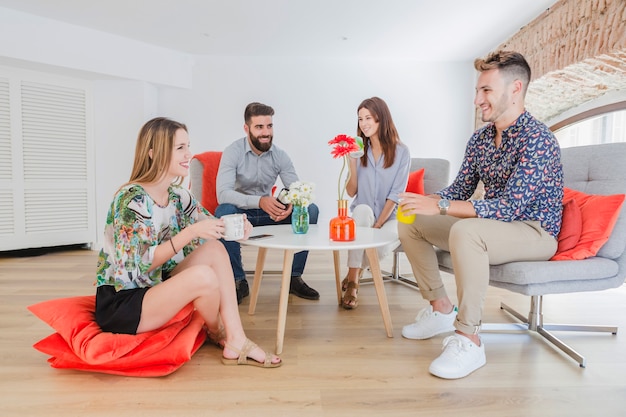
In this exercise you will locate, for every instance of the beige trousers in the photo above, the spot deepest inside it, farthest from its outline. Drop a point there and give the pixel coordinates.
(474, 244)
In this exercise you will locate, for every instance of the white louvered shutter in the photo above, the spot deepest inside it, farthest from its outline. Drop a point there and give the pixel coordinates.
(7, 218)
(51, 178)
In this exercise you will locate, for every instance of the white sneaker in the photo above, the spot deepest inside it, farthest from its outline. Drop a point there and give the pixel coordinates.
(460, 358)
(429, 323)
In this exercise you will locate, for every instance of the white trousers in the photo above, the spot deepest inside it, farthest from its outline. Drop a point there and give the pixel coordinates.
(364, 217)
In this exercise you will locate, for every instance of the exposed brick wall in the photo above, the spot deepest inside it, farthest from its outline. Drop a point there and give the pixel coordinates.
(577, 52)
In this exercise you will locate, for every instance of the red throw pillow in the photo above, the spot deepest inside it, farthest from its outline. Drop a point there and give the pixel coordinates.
(599, 214)
(210, 164)
(416, 182)
(571, 227)
(80, 344)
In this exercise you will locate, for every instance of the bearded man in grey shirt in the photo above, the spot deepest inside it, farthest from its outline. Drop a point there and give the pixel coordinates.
(248, 170)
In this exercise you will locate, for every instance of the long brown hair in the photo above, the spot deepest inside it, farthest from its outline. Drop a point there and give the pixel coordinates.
(156, 135)
(387, 133)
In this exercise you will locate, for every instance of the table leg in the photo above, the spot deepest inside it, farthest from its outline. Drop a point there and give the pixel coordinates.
(283, 301)
(372, 256)
(258, 275)
(336, 259)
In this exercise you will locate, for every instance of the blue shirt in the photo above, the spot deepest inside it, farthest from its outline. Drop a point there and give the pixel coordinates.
(523, 177)
(376, 184)
(244, 177)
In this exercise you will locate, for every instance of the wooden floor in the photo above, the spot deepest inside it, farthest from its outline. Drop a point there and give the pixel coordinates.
(337, 362)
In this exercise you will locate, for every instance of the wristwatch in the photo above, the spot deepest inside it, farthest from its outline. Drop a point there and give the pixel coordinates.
(443, 205)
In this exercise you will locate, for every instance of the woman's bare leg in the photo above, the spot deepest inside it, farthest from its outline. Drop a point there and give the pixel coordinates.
(164, 301)
(206, 278)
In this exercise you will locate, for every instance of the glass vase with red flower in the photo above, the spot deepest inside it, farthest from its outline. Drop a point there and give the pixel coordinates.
(343, 227)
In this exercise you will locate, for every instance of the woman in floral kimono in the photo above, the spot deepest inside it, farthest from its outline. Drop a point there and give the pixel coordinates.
(162, 251)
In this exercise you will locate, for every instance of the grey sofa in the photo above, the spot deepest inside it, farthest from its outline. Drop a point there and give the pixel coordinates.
(594, 169)
(195, 178)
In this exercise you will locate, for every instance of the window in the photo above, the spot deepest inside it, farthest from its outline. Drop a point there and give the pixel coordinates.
(591, 129)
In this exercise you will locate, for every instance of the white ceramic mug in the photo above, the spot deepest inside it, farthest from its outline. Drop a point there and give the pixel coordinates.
(233, 226)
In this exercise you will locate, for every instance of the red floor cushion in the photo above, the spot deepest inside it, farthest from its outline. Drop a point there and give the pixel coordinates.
(80, 344)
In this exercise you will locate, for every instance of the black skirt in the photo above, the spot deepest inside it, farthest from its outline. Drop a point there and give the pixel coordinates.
(119, 311)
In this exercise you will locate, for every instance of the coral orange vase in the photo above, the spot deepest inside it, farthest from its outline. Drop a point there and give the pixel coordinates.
(342, 227)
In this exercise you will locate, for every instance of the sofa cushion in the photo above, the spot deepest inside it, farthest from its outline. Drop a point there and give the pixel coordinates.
(615, 246)
(530, 272)
(571, 227)
(416, 182)
(599, 214)
(210, 162)
(547, 277)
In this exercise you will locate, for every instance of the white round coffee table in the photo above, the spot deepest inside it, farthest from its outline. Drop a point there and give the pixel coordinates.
(317, 238)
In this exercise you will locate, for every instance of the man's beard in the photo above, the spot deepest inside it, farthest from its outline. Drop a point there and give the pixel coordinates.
(497, 110)
(262, 147)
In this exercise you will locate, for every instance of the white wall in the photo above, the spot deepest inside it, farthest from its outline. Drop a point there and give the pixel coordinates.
(33, 39)
(314, 99)
(125, 74)
(317, 99)
(120, 109)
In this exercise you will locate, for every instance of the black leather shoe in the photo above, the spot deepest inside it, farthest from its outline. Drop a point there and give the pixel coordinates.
(299, 288)
(241, 285)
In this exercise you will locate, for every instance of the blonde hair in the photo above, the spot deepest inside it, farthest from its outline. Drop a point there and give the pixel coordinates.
(157, 135)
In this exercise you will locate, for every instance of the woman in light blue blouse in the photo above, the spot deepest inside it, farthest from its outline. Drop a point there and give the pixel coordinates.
(376, 179)
(162, 251)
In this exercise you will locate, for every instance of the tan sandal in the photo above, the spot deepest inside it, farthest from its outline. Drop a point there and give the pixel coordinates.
(248, 346)
(218, 339)
(344, 283)
(349, 301)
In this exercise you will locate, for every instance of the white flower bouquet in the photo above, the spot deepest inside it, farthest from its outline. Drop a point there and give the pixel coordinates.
(300, 193)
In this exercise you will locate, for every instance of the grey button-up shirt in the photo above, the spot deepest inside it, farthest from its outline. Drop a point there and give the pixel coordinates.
(244, 177)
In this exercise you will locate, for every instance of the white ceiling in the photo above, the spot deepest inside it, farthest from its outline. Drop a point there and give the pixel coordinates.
(426, 30)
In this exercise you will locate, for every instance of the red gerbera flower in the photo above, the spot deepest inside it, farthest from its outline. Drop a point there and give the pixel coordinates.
(344, 144)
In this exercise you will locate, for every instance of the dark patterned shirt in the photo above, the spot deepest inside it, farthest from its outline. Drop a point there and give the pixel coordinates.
(523, 177)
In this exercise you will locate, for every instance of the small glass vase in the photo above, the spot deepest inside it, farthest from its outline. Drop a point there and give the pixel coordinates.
(342, 227)
(300, 219)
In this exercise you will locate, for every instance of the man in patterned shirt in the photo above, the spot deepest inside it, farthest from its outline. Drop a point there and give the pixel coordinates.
(519, 161)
